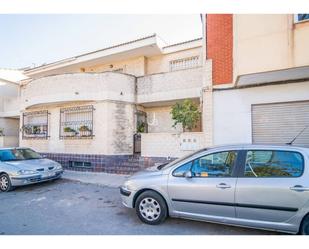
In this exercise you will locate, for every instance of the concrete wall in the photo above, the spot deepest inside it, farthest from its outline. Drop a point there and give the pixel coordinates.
(170, 86)
(160, 120)
(8, 141)
(113, 126)
(171, 144)
(161, 63)
(232, 108)
(269, 42)
(134, 66)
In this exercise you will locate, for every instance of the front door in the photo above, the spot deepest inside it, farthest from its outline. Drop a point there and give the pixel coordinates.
(272, 186)
(205, 186)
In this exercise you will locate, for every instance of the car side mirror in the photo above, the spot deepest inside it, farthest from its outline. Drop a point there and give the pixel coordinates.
(188, 174)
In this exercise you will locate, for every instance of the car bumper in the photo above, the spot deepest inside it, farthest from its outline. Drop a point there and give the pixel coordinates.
(26, 180)
(127, 197)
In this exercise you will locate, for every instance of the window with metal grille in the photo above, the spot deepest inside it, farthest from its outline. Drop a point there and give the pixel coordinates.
(184, 63)
(35, 125)
(301, 17)
(76, 122)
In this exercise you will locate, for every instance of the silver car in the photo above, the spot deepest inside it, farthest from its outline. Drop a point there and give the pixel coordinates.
(23, 166)
(258, 186)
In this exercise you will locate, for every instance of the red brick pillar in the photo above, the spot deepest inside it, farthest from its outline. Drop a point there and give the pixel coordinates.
(219, 46)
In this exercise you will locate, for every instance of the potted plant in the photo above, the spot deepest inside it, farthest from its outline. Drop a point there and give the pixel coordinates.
(141, 127)
(185, 113)
(84, 131)
(36, 130)
(69, 132)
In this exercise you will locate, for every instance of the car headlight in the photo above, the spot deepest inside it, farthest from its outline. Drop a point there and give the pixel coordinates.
(58, 166)
(127, 186)
(26, 172)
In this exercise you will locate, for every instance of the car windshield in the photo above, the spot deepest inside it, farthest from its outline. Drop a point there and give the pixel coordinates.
(166, 165)
(18, 155)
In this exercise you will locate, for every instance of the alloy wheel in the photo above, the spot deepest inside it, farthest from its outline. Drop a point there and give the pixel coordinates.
(150, 209)
(4, 183)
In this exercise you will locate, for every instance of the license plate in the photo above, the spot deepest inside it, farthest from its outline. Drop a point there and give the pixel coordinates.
(49, 174)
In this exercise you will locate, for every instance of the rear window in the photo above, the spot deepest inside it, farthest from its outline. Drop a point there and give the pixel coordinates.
(272, 163)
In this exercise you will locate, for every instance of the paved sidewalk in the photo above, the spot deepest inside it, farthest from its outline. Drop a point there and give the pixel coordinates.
(103, 179)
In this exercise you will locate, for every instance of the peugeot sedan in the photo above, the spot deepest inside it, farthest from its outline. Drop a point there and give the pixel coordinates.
(23, 166)
(258, 186)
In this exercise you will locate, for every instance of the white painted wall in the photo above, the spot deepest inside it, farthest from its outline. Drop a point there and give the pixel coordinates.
(113, 126)
(232, 108)
(171, 144)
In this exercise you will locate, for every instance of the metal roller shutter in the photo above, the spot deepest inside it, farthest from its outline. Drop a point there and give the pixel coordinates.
(279, 123)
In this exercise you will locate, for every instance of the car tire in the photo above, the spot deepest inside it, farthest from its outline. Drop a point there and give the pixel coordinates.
(5, 183)
(151, 208)
(304, 227)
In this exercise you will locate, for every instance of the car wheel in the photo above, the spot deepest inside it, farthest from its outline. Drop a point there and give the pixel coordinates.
(5, 183)
(151, 208)
(304, 228)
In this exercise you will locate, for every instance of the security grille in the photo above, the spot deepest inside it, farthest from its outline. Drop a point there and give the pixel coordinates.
(185, 63)
(35, 125)
(76, 122)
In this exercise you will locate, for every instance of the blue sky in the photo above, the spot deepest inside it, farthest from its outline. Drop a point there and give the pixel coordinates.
(26, 40)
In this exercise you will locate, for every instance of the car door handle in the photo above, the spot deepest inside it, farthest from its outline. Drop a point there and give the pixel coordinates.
(299, 188)
(223, 186)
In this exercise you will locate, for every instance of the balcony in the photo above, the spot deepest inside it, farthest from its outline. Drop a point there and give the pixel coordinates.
(78, 87)
(170, 86)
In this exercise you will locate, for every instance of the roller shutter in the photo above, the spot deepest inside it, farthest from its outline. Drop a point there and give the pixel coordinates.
(279, 123)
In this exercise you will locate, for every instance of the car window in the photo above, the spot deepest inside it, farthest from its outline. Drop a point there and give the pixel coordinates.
(271, 163)
(18, 155)
(180, 171)
(220, 164)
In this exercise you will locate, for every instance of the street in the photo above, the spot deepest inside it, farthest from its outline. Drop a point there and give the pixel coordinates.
(68, 207)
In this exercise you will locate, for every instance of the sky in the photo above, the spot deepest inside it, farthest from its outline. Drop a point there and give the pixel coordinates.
(31, 40)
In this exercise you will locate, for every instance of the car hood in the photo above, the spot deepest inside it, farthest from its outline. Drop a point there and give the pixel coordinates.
(33, 164)
(152, 171)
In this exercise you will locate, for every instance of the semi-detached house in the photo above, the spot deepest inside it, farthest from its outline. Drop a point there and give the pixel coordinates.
(85, 111)
(249, 75)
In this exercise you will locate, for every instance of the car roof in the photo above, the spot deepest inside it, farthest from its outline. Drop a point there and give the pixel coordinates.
(259, 146)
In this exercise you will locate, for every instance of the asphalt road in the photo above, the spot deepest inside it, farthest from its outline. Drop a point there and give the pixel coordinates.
(66, 207)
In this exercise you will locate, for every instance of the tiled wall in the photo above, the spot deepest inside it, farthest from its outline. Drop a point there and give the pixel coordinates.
(104, 163)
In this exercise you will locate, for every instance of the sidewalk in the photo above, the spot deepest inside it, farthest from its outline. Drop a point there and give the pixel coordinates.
(104, 179)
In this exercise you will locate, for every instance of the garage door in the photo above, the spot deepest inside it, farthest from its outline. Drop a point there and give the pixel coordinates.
(280, 123)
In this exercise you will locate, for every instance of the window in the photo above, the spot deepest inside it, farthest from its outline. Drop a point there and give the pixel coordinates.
(180, 171)
(185, 63)
(76, 122)
(35, 125)
(219, 164)
(269, 163)
(80, 164)
(301, 17)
